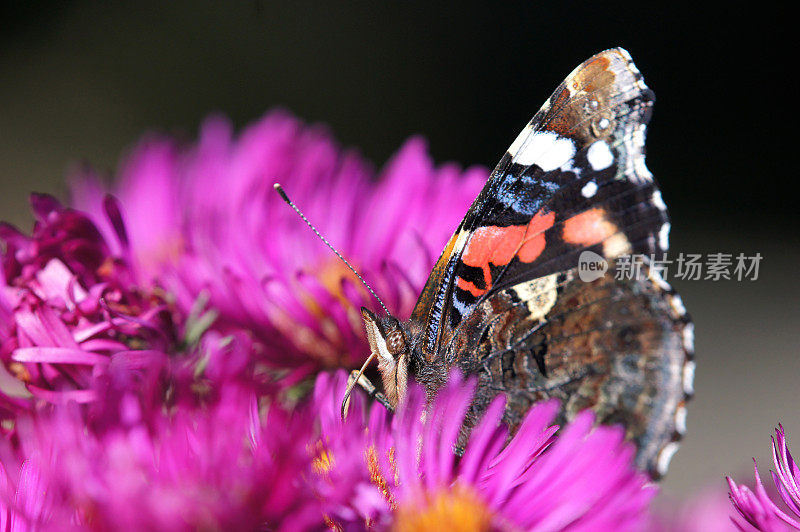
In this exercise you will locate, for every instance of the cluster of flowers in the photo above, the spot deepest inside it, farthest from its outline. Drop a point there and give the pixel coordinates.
(169, 355)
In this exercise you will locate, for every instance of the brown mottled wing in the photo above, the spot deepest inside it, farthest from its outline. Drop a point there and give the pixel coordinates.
(574, 179)
(621, 347)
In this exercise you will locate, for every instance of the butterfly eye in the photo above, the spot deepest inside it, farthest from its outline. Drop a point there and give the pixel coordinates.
(396, 342)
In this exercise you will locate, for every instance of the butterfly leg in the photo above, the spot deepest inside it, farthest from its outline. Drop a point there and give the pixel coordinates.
(370, 388)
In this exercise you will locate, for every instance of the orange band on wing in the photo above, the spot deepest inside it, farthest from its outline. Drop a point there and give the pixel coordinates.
(495, 245)
(588, 228)
(533, 245)
(492, 244)
(470, 287)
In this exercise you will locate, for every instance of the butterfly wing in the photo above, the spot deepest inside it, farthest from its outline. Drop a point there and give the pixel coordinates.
(505, 300)
(618, 345)
(574, 179)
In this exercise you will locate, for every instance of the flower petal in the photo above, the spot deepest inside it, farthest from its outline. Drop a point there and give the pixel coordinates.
(57, 355)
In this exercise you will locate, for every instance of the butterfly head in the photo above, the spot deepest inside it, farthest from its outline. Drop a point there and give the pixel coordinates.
(387, 337)
(388, 343)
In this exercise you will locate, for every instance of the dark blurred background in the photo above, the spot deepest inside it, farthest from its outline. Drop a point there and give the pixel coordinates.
(82, 81)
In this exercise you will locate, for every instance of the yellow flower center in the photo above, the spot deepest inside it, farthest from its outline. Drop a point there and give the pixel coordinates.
(331, 275)
(323, 462)
(328, 344)
(457, 509)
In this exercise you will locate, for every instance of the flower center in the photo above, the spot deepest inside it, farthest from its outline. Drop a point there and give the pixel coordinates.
(331, 275)
(323, 462)
(457, 508)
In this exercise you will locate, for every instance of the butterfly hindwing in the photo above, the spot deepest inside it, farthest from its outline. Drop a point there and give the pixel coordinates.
(616, 345)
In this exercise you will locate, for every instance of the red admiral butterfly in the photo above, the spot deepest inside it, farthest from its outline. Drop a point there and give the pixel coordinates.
(505, 300)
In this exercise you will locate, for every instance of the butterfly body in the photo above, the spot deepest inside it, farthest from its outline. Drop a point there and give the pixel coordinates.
(506, 300)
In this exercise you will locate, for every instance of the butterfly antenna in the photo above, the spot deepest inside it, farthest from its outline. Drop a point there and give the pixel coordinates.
(291, 204)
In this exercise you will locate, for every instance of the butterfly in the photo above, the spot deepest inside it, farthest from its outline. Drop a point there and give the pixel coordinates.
(506, 300)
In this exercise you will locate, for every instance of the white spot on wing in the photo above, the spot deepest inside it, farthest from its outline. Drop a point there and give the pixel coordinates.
(637, 153)
(677, 305)
(688, 337)
(665, 456)
(589, 189)
(514, 148)
(658, 201)
(633, 150)
(546, 149)
(680, 420)
(599, 156)
(688, 378)
(663, 236)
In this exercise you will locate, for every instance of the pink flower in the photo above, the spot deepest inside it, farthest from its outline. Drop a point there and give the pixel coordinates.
(757, 507)
(70, 309)
(225, 467)
(233, 465)
(205, 219)
(402, 471)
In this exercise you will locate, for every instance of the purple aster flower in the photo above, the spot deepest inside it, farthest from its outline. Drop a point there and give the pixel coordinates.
(756, 506)
(225, 467)
(69, 308)
(205, 219)
(580, 478)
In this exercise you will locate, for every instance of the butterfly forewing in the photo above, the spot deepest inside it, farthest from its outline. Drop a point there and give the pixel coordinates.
(574, 178)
